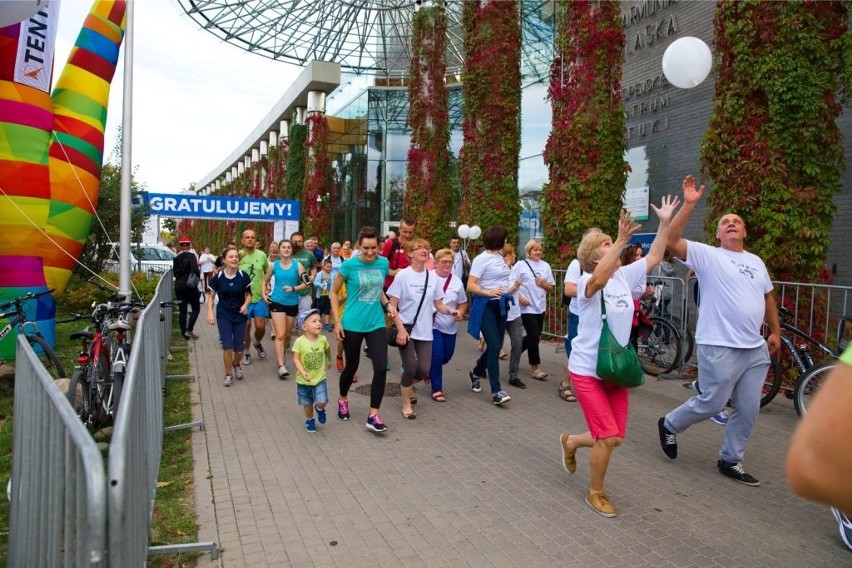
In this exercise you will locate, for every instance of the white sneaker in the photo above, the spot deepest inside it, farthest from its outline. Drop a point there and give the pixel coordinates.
(246, 359)
(238, 371)
(282, 372)
(228, 380)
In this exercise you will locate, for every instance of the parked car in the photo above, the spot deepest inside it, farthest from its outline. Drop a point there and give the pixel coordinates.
(143, 258)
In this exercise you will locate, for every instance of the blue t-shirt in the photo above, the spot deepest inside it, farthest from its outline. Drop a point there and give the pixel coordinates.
(364, 283)
(285, 277)
(231, 293)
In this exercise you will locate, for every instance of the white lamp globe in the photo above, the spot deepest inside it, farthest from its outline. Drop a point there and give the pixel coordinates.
(475, 231)
(687, 62)
(14, 11)
(464, 231)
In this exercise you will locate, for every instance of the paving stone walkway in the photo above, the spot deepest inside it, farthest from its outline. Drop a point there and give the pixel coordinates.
(471, 484)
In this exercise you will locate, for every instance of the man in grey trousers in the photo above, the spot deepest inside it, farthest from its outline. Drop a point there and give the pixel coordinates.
(736, 298)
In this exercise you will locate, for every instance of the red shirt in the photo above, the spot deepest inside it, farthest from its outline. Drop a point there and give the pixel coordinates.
(397, 260)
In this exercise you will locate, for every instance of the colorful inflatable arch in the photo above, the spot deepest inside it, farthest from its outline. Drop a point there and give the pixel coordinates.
(51, 150)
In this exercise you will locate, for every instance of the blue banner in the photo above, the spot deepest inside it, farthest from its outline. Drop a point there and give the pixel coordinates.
(188, 206)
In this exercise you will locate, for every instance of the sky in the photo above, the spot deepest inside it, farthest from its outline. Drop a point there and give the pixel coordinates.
(195, 97)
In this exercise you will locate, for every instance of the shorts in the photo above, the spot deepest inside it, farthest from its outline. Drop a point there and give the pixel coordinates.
(573, 325)
(605, 406)
(232, 333)
(324, 305)
(257, 310)
(291, 311)
(312, 394)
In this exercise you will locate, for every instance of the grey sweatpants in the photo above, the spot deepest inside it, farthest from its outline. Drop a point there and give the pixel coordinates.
(726, 373)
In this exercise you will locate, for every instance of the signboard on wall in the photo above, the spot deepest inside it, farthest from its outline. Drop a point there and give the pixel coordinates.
(636, 202)
(191, 206)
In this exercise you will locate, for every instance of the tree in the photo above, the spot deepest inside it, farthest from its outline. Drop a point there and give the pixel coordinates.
(585, 151)
(491, 87)
(773, 150)
(429, 194)
(105, 225)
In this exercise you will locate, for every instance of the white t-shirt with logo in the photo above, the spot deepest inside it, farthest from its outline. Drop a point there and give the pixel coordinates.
(491, 270)
(572, 275)
(619, 313)
(453, 297)
(407, 287)
(536, 295)
(733, 286)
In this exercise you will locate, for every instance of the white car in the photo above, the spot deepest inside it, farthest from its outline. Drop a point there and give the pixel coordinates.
(143, 258)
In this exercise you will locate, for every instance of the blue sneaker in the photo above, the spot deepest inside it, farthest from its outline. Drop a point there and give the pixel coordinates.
(320, 414)
(310, 426)
(720, 418)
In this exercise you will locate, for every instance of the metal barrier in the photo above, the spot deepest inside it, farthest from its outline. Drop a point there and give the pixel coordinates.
(64, 501)
(58, 486)
(816, 308)
(137, 440)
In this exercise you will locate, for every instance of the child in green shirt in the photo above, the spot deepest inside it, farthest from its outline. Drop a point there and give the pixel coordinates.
(312, 356)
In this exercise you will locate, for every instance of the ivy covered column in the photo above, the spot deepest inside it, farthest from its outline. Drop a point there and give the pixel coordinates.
(428, 192)
(491, 87)
(773, 150)
(296, 159)
(316, 196)
(585, 151)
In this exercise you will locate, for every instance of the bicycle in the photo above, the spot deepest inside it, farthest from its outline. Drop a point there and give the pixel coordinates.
(796, 344)
(658, 348)
(18, 319)
(653, 307)
(102, 362)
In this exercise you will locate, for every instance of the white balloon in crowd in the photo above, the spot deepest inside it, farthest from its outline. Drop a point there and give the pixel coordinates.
(687, 62)
(475, 231)
(464, 231)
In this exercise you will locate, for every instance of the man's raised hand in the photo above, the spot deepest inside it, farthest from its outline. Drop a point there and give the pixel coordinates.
(690, 194)
(667, 207)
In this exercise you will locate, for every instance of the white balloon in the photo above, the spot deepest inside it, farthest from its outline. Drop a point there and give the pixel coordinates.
(687, 62)
(14, 11)
(464, 231)
(475, 231)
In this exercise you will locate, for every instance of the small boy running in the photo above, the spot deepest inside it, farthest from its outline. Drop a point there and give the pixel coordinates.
(312, 356)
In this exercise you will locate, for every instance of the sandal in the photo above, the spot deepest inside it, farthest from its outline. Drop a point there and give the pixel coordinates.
(503, 354)
(539, 375)
(409, 415)
(566, 394)
(438, 396)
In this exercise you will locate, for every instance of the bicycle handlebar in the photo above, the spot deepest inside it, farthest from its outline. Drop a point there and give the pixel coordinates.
(21, 299)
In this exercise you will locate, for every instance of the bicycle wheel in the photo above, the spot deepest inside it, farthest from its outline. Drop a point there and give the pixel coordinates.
(808, 384)
(48, 356)
(772, 382)
(659, 352)
(689, 346)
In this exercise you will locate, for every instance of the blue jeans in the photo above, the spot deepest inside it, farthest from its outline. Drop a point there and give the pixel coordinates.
(443, 347)
(492, 328)
(573, 325)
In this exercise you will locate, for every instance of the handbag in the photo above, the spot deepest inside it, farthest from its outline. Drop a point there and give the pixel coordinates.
(192, 280)
(616, 363)
(393, 332)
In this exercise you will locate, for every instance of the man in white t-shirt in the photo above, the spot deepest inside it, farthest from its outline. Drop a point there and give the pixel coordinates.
(461, 262)
(736, 298)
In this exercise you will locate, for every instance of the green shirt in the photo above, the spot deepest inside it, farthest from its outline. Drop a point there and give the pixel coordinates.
(312, 354)
(308, 261)
(847, 355)
(364, 283)
(255, 265)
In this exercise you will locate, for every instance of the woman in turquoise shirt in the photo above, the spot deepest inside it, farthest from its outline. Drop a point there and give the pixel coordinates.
(363, 320)
(283, 299)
